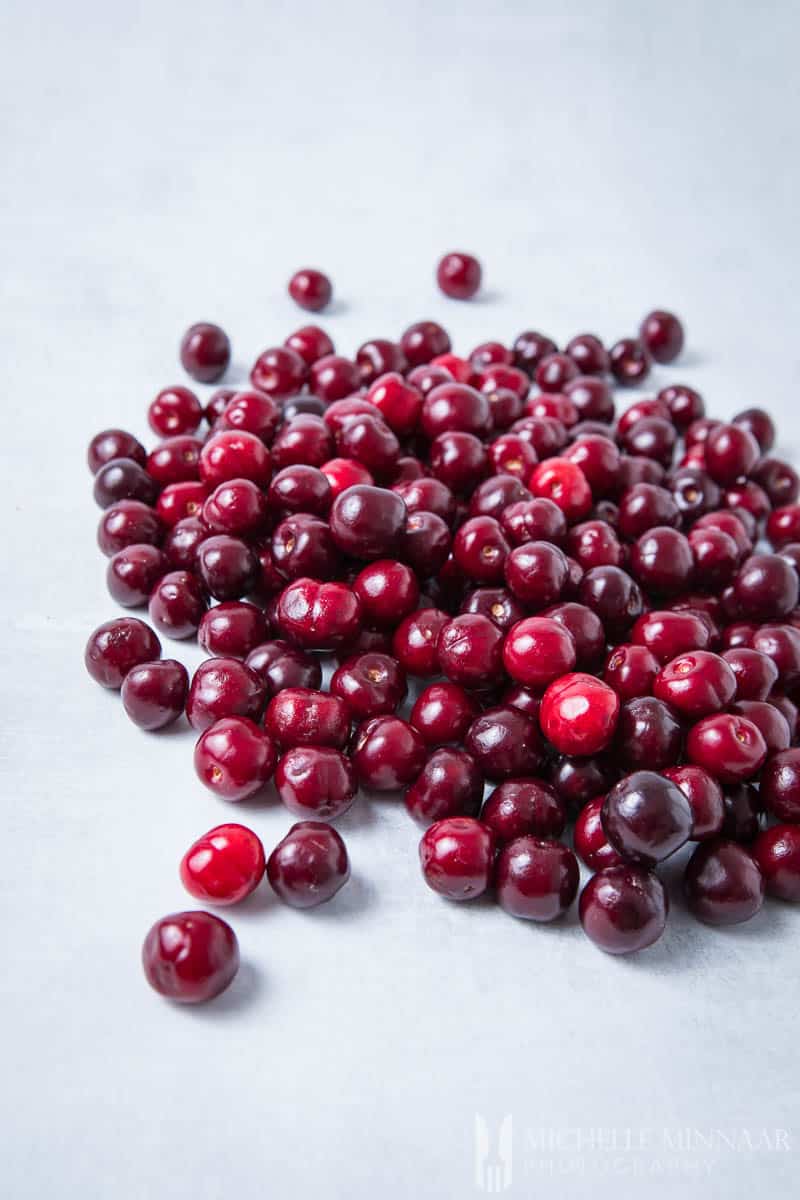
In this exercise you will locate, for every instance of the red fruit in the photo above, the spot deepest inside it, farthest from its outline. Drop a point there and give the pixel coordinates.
(309, 866)
(459, 275)
(457, 857)
(538, 650)
(224, 865)
(579, 714)
(310, 289)
(564, 483)
(316, 781)
(234, 758)
(190, 957)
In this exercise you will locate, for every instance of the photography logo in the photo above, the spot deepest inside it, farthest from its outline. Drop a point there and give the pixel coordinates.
(493, 1155)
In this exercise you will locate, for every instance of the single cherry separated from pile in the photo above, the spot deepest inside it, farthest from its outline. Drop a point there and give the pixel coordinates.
(596, 615)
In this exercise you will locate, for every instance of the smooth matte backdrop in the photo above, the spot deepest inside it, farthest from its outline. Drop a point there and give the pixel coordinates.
(165, 163)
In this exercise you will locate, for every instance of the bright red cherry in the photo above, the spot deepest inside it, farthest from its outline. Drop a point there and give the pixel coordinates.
(538, 650)
(579, 714)
(224, 865)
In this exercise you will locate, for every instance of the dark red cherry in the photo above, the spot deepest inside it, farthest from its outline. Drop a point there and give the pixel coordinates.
(205, 351)
(316, 781)
(723, 884)
(449, 785)
(457, 857)
(646, 817)
(310, 289)
(309, 866)
(190, 957)
(623, 909)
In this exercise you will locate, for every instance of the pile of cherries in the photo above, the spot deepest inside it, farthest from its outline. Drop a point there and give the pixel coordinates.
(581, 602)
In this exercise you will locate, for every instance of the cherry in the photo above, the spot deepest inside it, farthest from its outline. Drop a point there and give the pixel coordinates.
(781, 643)
(217, 403)
(310, 342)
(646, 817)
(643, 506)
(333, 377)
(595, 544)
(116, 647)
(367, 522)
(227, 566)
(667, 634)
(442, 713)
(538, 650)
(370, 684)
(470, 649)
(449, 785)
(319, 616)
(457, 857)
(776, 852)
(742, 820)
(535, 879)
(425, 543)
(505, 742)
(495, 603)
(598, 459)
(458, 460)
(459, 275)
(780, 481)
(154, 693)
(124, 479)
(588, 353)
(343, 473)
(427, 495)
(175, 410)
(771, 722)
(398, 403)
(280, 372)
(534, 521)
(662, 562)
(310, 289)
(128, 523)
(697, 684)
(662, 334)
(133, 573)
(537, 573)
(554, 371)
(522, 807)
(389, 754)
(302, 545)
(316, 781)
(309, 866)
(190, 957)
(181, 500)
(766, 587)
(623, 909)
(589, 838)
(780, 786)
(175, 460)
(629, 361)
(563, 482)
(729, 747)
(648, 734)
(705, 800)
(579, 714)
(224, 866)
(111, 444)
(755, 673)
(591, 397)
(224, 687)
(183, 541)
(388, 592)
(730, 451)
(233, 628)
(234, 455)
(424, 341)
(302, 717)
(279, 665)
(495, 494)
(455, 407)
(234, 758)
(205, 352)
(630, 671)
(530, 348)
(723, 884)
(415, 642)
(511, 454)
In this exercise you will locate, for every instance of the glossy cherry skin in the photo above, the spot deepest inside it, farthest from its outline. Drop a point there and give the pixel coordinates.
(133, 572)
(116, 647)
(781, 643)
(662, 562)
(416, 639)
(646, 818)
(123, 479)
(780, 481)
(629, 361)
(730, 452)
(233, 628)
(589, 838)
(423, 341)
(227, 566)
(630, 670)
(667, 634)
(128, 523)
(388, 754)
(504, 741)
(705, 800)
(459, 275)
(114, 443)
(530, 348)
(537, 573)
(524, 807)
(234, 454)
(425, 544)
(771, 722)
(388, 591)
(536, 879)
(579, 714)
(623, 909)
(723, 884)
(458, 460)
(280, 665)
(613, 596)
(190, 957)
(316, 781)
(175, 410)
(279, 372)
(304, 439)
(729, 747)
(495, 603)
(311, 343)
(154, 693)
(177, 604)
(234, 758)
(662, 334)
(538, 650)
(181, 500)
(766, 587)
(205, 352)
(776, 852)
(780, 786)
(302, 717)
(309, 866)
(563, 482)
(224, 866)
(310, 289)
(649, 734)
(449, 785)
(470, 649)
(756, 674)
(224, 687)
(237, 507)
(370, 684)
(696, 684)
(302, 546)
(367, 522)
(442, 713)
(457, 857)
(319, 616)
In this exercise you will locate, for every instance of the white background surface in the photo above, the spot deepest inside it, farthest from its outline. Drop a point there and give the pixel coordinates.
(165, 163)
